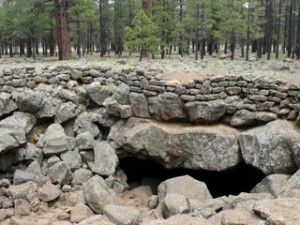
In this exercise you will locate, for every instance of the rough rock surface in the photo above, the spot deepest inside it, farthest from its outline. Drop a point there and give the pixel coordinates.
(105, 160)
(205, 112)
(13, 130)
(198, 147)
(55, 141)
(122, 215)
(271, 148)
(97, 194)
(185, 186)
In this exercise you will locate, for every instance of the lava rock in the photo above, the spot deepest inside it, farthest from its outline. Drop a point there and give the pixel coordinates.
(55, 141)
(139, 105)
(7, 105)
(205, 112)
(99, 93)
(60, 173)
(196, 147)
(185, 186)
(97, 194)
(13, 130)
(85, 141)
(271, 148)
(105, 159)
(49, 192)
(84, 123)
(65, 112)
(121, 215)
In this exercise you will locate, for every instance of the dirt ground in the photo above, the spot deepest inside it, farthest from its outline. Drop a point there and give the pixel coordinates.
(176, 68)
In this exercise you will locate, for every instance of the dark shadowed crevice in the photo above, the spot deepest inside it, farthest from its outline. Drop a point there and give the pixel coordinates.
(242, 178)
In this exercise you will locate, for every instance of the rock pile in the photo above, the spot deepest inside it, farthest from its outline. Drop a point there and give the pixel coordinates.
(63, 131)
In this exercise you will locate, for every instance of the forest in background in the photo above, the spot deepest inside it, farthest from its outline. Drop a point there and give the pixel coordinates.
(154, 28)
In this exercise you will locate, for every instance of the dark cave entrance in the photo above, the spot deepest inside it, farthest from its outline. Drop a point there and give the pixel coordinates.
(242, 178)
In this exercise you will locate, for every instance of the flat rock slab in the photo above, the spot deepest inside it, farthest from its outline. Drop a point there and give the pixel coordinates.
(213, 148)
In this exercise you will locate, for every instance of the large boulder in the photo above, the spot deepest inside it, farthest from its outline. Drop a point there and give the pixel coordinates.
(274, 148)
(97, 194)
(205, 112)
(195, 147)
(13, 130)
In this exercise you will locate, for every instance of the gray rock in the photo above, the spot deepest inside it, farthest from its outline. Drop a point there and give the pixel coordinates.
(241, 217)
(60, 173)
(243, 118)
(279, 211)
(196, 147)
(49, 107)
(72, 159)
(111, 105)
(167, 106)
(81, 176)
(33, 153)
(185, 186)
(99, 93)
(265, 117)
(29, 101)
(80, 212)
(84, 124)
(65, 112)
(205, 112)
(122, 215)
(106, 160)
(13, 130)
(271, 148)
(49, 192)
(55, 141)
(21, 190)
(97, 194)
(22, 207)
(291, 187)
(139, 105)
(273, 184)
(96, 220)
(122, 94)
(125, 111)
(174, 204)
(85, 141)
(32, 173)
(7, 105)
(68, 95)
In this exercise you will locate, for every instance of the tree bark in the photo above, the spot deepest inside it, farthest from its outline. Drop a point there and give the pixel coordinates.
(62, 29)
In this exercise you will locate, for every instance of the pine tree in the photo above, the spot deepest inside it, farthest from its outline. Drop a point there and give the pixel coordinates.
(142, 35)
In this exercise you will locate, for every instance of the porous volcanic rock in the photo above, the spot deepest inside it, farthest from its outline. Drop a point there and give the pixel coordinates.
(212, 148)
(273, 148)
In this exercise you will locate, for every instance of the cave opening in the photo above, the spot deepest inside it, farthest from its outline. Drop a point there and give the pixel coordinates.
(242, 178)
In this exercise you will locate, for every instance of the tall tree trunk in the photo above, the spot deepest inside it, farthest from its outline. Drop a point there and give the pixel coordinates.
(248, 33)
(62, 29)
(278, 29)
(180, 21)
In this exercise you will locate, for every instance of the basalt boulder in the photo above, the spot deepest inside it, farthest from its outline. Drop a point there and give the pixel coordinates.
(194, 147)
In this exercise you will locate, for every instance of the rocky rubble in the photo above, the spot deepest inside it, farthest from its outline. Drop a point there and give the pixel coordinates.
(63, 132)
